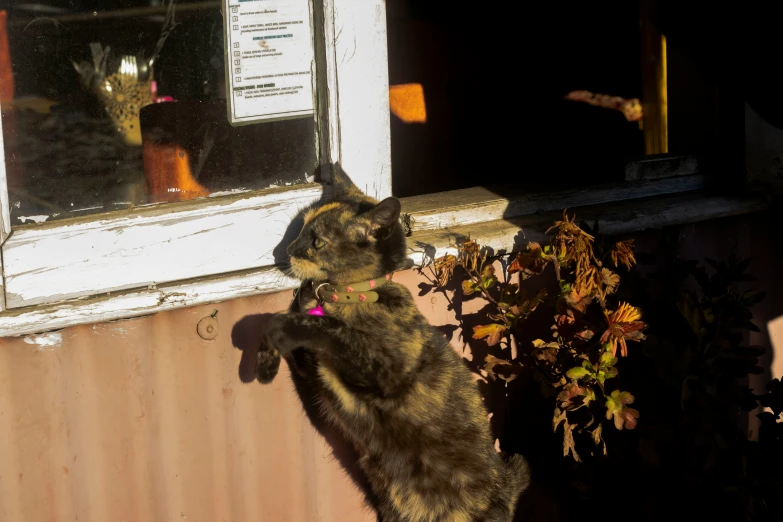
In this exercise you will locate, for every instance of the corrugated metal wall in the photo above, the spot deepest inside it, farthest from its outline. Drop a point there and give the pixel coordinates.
(142, 420)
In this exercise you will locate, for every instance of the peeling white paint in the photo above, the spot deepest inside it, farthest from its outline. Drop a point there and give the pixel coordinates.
(86, 208)
(310, 179)
(34, 219)
(45, 341)
(46, 265)
(228, 192)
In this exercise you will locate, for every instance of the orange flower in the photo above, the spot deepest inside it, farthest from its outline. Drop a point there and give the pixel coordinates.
(624, 325)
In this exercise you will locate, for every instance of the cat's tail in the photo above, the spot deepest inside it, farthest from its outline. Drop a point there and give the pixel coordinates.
(268, 365)
(518, 473)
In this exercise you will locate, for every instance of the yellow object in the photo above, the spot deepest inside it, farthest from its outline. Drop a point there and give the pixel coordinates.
(124, 96)
(406, 101)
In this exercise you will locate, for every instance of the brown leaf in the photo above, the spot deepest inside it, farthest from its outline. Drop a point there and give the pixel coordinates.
(565, 318)
(545, 351)
(573, 396)
(599, 441)
(493, 333)
(559, 416)
(531, 262)
(577, 300)
(569, 445)
(585, 335)
(508, 370)
(626, 418)
(610, 280)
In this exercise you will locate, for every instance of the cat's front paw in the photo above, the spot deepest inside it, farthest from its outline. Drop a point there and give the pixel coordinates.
(268, 364)
(269, 356)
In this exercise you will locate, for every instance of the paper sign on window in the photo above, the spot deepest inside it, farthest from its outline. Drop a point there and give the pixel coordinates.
(269, 59)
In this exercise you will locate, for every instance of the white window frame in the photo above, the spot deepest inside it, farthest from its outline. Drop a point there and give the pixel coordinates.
(137, 262)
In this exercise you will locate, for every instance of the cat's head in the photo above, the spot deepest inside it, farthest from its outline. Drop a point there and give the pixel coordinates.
(350, 238)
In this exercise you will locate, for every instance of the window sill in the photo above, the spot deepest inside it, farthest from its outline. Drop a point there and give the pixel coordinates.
(494, 222)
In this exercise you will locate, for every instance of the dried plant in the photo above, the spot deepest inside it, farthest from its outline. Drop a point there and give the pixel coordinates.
(575, 365)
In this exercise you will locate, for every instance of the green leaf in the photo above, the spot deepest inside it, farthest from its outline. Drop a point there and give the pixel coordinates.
(617, 408)
(607, 359)
(611, 372)
(468, 287)
(489, 282)
(578, 373)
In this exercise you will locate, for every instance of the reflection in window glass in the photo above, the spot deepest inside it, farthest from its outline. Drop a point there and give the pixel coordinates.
(109, 104)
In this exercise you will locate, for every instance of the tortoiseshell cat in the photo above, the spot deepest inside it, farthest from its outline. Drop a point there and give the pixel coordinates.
(386, 378)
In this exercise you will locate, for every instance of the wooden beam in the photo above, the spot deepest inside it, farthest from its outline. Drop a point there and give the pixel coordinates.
(655, 121)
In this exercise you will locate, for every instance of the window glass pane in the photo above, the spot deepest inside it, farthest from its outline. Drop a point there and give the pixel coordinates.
(96, 119)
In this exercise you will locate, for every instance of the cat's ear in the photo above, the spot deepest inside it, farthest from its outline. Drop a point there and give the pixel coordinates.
(382, 218)
(342, 184)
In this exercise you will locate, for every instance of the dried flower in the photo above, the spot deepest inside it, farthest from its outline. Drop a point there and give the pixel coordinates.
(444, 268)
(588, 281)
(624, 325)
(572, 243)
(470, 255)
(622, 254)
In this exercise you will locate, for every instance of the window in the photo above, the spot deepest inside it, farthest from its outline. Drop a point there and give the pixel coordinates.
(103, 219)
(171, 205)
(501, 114)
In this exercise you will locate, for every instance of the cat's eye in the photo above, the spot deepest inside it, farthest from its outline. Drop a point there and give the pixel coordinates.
(319, 243)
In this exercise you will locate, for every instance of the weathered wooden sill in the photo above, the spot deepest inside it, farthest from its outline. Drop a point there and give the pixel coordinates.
(504, 232)
(617, 218)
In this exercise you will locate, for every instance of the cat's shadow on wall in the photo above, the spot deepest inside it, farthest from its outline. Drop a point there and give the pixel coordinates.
(246, 336)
